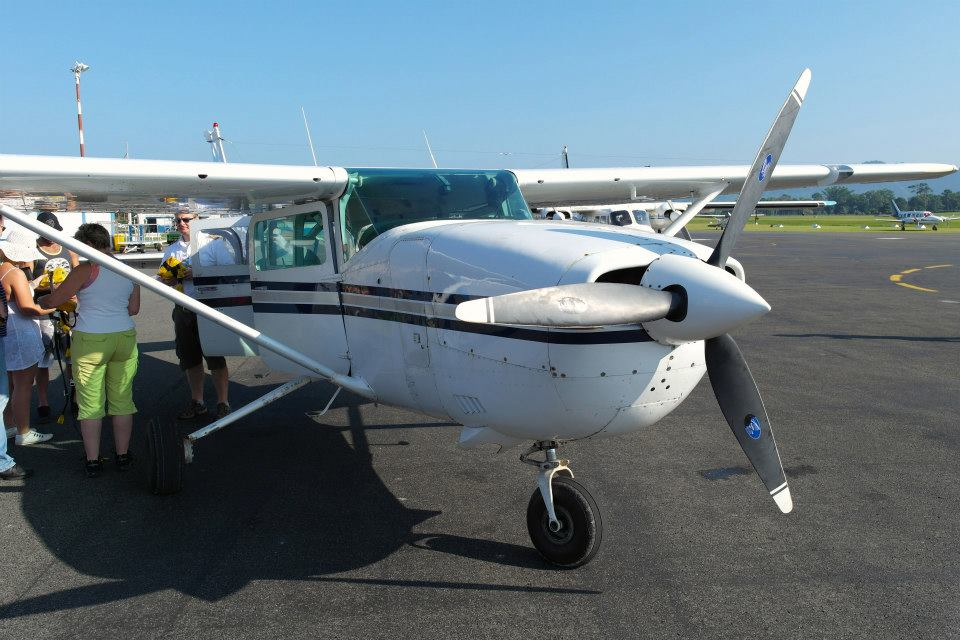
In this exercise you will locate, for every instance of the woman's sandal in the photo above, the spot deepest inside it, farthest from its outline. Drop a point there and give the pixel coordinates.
(94, 468)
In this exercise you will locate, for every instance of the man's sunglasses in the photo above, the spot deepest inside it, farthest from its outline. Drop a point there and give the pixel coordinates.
(184, 220)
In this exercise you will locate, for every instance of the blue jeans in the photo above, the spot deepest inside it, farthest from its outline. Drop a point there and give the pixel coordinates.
(6, 462)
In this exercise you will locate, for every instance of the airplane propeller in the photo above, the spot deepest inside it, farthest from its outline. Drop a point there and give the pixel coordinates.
(724, 303)
(730, 377)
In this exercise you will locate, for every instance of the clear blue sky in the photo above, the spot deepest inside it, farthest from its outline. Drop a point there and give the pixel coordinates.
(621, 83)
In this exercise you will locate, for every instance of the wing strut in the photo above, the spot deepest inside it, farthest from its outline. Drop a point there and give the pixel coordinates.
(356, 385)
(695, 207)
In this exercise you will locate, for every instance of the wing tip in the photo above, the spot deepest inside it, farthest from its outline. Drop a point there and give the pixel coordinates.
(783, 499)
(803, 83)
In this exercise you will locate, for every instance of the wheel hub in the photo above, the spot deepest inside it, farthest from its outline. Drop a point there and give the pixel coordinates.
(561, 531)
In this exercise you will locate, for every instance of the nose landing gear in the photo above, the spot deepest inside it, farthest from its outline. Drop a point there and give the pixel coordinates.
(562, 517)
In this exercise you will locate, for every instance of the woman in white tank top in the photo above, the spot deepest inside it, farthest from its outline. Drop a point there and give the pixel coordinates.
(104, 349)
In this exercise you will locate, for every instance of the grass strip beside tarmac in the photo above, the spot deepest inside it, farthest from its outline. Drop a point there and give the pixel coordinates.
(853, 224)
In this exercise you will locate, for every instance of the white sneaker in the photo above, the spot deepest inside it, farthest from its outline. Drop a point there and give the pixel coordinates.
(32, 437)
(11, 431)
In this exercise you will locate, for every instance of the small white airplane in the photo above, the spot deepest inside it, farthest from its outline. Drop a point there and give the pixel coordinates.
(920, 218)
(435, 290)
(657, 216)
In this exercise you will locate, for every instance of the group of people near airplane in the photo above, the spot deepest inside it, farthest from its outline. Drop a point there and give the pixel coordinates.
(55, 308)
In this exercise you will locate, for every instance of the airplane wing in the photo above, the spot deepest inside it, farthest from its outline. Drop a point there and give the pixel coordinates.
(114, 180)
(775, 204)
(548, 187)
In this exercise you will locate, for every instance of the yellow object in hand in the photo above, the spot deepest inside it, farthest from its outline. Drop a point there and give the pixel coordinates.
(171, 269)
(44, 281)
(59, 275)
(69, 306)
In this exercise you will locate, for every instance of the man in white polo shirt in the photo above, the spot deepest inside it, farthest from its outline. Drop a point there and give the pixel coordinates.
(186, 332)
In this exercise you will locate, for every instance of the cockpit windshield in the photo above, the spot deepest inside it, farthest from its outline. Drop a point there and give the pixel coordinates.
(377, 200)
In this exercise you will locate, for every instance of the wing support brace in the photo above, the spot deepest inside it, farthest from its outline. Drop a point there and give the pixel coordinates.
(356, 385)
(250, 407)
(695, 207)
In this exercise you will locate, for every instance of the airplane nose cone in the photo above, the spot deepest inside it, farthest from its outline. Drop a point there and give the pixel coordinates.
(717, 301)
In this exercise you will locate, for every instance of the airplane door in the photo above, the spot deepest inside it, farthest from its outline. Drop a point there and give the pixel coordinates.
(408, 279)
(221, 279)
(295, 287)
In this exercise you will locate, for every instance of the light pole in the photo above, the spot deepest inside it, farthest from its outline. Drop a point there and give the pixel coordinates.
(77, 69)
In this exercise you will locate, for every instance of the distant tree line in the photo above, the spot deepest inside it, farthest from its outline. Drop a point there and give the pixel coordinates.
(878, 201)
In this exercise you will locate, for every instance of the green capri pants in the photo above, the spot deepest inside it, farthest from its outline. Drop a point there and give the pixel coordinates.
(104, 365)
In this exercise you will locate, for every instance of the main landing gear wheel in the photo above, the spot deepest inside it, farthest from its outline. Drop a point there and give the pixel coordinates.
(165, 458)
(577, 540)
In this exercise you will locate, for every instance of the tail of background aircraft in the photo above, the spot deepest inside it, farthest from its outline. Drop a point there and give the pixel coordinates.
(896, 209)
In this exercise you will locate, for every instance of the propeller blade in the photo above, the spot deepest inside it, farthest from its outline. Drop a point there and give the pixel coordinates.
(742, 406)
(762, 168)
(588, 304)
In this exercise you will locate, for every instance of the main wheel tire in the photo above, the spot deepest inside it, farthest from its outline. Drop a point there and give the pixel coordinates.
(934, 227)
(165, 455)
(578, 540)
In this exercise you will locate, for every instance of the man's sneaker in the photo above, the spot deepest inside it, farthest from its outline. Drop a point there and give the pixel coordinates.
(16, 472)
(194, 410)
(32, 437)
(222, 409)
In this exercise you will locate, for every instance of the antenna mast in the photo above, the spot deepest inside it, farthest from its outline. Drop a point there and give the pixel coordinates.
(309, 138)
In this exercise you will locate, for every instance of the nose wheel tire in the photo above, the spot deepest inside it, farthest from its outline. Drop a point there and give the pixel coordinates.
(578, 539)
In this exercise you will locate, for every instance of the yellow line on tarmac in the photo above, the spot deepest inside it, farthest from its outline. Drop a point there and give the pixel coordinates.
(897, 278)
(910, 286)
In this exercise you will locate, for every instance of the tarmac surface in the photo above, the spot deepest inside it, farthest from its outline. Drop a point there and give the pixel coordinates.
(369, 522)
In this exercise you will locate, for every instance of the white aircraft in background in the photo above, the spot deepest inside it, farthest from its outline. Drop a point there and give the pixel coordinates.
(920, 218)
(434, 290)
(657, 216)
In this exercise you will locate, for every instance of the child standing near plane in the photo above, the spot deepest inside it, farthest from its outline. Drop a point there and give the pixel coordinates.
(52, 257)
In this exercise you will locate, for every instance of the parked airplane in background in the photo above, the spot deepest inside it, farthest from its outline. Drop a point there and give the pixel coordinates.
(434, 290)
(920, 218)
(657, 216)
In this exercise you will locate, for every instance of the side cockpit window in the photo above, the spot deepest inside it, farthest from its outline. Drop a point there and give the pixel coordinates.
(289, 242)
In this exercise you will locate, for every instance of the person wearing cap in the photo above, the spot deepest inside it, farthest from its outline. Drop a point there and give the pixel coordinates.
(9, 469)
(187, 333)
(23, 345)
(53, 256)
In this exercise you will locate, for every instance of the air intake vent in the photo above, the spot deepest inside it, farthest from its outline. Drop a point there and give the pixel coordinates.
(470, 405)
(631, 275)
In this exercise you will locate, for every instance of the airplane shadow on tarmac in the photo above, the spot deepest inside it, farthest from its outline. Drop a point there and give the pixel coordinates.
(274, 497)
